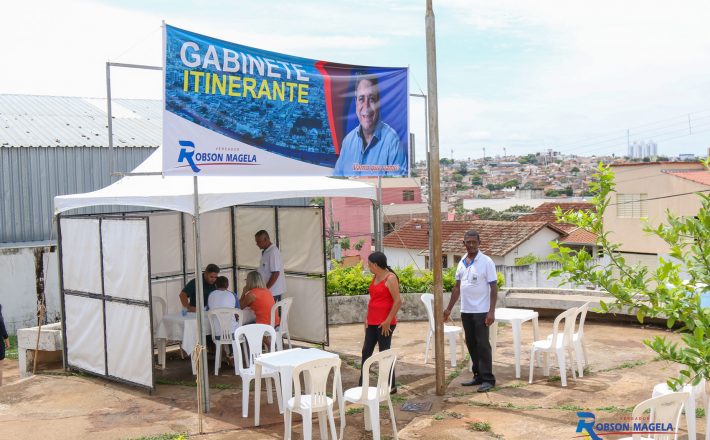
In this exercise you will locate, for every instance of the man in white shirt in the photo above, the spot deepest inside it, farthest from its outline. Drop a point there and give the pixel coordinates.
(476, 283)
(271, 267)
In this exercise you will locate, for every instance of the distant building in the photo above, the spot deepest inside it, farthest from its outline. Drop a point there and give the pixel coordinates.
(644, 192)
(500, 240)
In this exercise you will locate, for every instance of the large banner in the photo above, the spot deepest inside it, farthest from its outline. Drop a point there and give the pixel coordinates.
(236, 110)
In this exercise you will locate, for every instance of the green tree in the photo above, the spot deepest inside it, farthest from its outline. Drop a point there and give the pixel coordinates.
(569, 191)
(487, 213)
(358, 246)
(552, 193)
(345, 244)
(511, 183)
(527, 259)
(574, 170)
(476, 180)
(670, 292)
(530, 158)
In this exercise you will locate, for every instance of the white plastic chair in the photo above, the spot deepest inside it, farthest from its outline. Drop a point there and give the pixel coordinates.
(372, 396)
(664, 409)
(580, 350)
(316, 374)
(662, 389)
(221, 321)
(254, 335)
(282, 329)
(560, 344)
(159, 308)
(451, 332)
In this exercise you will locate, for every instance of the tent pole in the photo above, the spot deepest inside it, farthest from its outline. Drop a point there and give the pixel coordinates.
(204, 382)
(380, 217)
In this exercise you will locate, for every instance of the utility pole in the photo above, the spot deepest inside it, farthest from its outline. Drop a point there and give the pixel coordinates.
(484, 155)
(435, 200)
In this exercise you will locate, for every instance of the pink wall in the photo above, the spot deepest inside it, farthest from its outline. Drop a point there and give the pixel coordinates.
(353, 216)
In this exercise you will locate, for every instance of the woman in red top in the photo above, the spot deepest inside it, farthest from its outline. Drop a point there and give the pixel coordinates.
(385, 301)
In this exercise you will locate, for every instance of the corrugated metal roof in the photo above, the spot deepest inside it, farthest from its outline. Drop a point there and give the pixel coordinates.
(60, 121)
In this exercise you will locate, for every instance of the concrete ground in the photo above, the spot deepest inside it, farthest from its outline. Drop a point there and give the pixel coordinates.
(622, 372)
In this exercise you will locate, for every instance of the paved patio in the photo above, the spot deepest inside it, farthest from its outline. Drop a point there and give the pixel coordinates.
(622, 373)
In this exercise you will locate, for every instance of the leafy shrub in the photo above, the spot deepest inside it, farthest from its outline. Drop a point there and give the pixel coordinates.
(527, 259)
(353, 280)
(348, 280)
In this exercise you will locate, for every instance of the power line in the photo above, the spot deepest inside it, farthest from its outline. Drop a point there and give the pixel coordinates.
(661, 197)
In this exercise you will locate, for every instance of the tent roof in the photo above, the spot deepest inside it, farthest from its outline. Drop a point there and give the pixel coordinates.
(175, 193)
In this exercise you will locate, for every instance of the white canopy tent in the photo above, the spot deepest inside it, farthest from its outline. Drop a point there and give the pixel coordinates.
(113, 265)
(175, 193)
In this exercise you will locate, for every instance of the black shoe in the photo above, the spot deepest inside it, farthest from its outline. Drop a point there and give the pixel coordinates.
(393, 390)
(485, 387)
(472, 382)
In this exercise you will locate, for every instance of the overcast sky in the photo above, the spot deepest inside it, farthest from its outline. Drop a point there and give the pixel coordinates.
(521, 75)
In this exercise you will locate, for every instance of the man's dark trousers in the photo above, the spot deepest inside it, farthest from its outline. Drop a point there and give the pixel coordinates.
(479, 347)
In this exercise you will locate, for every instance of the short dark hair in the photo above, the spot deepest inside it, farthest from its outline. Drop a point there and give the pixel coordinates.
(261, 233)
(221, 283)
(472, 233)
(212, 268)
(362, 76)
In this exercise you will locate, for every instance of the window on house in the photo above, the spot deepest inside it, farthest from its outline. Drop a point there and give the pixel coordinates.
(336, 226)
(389, 227)
(631, 205)
(426, 262)
(457, 259)
(407, 195)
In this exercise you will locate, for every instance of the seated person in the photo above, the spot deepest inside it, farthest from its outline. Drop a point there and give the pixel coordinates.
(258, 298)
(188, 293)
(221, 297)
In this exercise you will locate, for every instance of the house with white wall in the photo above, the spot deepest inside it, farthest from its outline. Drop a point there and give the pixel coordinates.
(503, 241)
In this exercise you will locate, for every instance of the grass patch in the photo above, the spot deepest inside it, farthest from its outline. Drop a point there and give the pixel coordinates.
(397, 399)
(571, 408)
(445, 414)
(508, 405)
(479, 426)
(181, 436)
(353, 363)
(453, 375)
(516, 385)
(182, 383)
(615, 409)
(699, 412)
(354, 410)
(554, 379)
(11, 353)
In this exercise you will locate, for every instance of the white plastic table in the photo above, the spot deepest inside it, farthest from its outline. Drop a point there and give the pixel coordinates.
(516, 317)
(179, 328)
(285, 361)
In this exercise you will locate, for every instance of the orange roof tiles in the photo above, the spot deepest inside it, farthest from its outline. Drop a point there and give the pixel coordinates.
(699, 176)
(546, 213)
(580, 236)
(497, 237)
